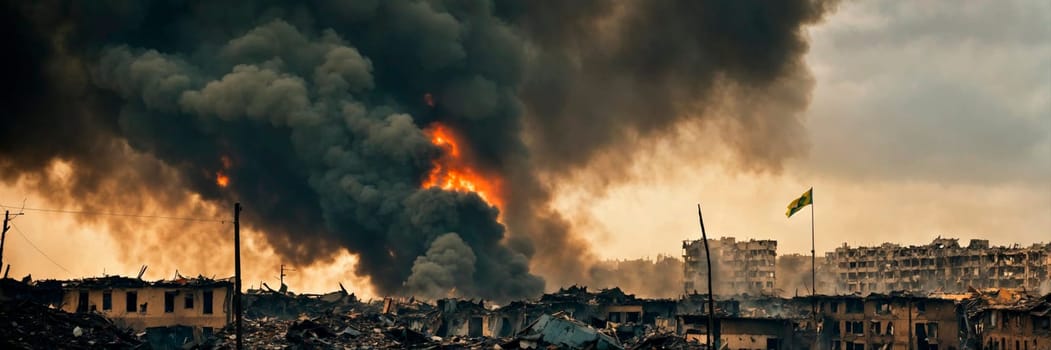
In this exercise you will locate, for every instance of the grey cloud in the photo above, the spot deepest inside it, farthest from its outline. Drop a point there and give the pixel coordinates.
(949, 93)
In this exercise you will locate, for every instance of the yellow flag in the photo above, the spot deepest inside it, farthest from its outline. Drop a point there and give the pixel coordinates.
(806, 199)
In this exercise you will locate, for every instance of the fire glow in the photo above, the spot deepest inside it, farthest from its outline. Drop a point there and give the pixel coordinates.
(221, 178)
(451, 172)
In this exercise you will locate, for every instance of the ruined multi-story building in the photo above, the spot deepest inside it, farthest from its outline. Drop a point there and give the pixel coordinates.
(944, 264)
(1005, 319)
(886, 321)
(737, 267)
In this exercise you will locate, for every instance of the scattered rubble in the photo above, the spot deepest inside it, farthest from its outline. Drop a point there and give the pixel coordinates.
(668, 341)
(30, 325)
(562, 332)
(355, 331)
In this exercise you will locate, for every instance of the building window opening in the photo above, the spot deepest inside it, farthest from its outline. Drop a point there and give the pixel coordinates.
(206, 302)
(107, 301)
(169, 302)
(855, 306)
(82, 301)
(131, 302)
(932, 330)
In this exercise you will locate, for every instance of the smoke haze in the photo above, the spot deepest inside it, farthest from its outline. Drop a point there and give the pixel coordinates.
(315, 113)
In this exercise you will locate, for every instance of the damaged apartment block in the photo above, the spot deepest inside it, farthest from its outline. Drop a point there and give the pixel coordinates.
(941, 265)
(737, 267)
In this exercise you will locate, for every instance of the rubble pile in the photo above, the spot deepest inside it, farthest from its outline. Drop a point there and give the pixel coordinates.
(289, 306)
(562, 332)
(354, 331)
(668, 341)
(30, 325)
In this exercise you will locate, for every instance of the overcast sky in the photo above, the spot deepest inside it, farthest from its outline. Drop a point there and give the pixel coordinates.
(927, 118)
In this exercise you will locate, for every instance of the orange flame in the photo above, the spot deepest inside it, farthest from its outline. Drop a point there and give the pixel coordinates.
(221, 178)
(451, 172)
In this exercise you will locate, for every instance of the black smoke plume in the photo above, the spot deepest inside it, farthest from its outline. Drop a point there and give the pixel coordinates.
(315, 111)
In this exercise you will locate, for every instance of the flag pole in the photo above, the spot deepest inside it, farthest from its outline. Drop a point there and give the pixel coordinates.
(813, 255)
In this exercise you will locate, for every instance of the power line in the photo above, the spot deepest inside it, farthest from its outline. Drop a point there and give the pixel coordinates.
(38, 249)
(141, 216)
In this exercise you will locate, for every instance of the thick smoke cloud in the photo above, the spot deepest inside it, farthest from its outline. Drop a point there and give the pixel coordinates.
(316, 113)
(608, 72)
(449, 263)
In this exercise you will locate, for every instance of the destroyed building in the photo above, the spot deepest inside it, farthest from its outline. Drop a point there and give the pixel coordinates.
(188, 310)
(887, 321)
(737, 267)
(758, 333)
(942, 265)
(1004, 319)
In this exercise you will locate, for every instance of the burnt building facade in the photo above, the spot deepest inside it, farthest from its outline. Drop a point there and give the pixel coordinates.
(942, 265)
(1008, 320)
(184, 308)
(737, 266)
(886, 321)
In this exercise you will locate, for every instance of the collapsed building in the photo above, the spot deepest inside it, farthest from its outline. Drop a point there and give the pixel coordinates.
(737, 266)
(942, 265)
(1004, 319)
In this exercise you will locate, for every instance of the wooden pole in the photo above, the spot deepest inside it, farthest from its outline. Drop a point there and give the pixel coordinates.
(3, 236)
(711, 297)
(237, 275)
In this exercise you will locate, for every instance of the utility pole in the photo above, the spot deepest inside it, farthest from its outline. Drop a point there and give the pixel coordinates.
(3, 236)
(284, 288)
(711, 297)
(237, 274)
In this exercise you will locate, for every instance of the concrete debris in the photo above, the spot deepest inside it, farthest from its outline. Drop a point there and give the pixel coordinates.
(562, 332)
(351, 331)
(29, 325)
(669, 341)
(288, 305)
